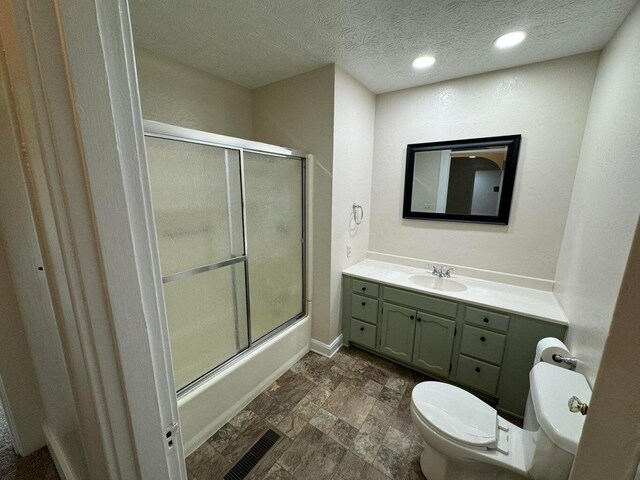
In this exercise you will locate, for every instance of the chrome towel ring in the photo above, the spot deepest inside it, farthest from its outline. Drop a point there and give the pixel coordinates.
(358, 213)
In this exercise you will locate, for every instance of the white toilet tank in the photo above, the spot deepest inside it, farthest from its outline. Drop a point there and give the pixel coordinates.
(555, 442)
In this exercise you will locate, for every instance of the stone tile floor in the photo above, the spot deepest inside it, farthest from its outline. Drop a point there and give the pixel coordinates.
(38, 465)
(342, 418)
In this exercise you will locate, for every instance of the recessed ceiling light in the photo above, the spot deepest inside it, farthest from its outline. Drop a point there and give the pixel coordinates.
(423, 62)
(509, 40)
(472, 156)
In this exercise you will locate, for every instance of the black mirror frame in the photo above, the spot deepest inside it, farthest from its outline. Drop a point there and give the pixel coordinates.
(513, 149)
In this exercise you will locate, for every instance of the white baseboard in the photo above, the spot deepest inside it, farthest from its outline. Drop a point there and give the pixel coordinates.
(57, 453)
(324, 349)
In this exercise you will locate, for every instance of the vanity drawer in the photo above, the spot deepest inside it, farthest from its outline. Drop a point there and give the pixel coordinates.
(366, 288)
(476, 374)
(482, 344)
(364, 308)
(363, 333)
(486, 318)
(421, 302)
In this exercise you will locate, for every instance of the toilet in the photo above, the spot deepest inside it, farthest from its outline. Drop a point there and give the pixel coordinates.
(466, 439)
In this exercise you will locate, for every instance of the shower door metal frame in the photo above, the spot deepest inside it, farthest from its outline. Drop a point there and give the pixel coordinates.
(182, 134)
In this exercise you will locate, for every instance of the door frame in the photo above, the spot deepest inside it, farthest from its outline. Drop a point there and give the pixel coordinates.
(75, 84)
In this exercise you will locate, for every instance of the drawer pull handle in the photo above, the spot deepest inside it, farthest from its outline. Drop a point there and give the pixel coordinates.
(364, 289)
(364, 303)
(485, 320)
(478, 369)
(362, 329)
(411, 317)
(482, 339)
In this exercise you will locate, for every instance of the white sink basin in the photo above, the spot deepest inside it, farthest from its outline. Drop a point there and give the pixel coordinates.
(437, 283)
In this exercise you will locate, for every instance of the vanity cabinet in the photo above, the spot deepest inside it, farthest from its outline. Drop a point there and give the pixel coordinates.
(484, 350)
(397, 329)
(433, 344)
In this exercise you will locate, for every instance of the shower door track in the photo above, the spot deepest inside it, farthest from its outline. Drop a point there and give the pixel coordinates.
(173, 132)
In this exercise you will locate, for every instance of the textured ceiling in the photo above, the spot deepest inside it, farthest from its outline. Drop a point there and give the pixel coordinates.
(254, 43)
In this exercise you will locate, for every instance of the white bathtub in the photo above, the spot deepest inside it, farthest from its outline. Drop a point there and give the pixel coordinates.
(212, 404)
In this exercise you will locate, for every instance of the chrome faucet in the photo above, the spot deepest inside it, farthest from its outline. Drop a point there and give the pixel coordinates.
(442, 271)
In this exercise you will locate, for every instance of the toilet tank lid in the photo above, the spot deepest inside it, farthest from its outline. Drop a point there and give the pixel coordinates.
(551, 389)
(456, 413)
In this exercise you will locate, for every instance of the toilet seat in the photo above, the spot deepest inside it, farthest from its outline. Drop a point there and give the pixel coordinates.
(456, 414)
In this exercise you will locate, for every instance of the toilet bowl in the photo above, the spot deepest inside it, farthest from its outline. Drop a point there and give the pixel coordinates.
(466, 439)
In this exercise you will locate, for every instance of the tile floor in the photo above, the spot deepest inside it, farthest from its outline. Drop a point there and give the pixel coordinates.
(342, 418)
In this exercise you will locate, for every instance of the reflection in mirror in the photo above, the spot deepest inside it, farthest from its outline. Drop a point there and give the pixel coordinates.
(464, 180)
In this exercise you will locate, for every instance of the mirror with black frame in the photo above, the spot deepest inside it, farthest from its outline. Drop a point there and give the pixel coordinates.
(461, 180)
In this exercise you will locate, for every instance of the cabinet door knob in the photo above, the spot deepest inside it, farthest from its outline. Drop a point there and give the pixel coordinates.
(411, 317)
(485, 320)
(419, 319)
(478, 369)
(364, 289)
(364, 303)
(482, 339)
(362, 329)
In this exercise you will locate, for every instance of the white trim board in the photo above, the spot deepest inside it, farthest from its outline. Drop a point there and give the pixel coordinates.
(326, 350)
(99, 248)
(57, 454)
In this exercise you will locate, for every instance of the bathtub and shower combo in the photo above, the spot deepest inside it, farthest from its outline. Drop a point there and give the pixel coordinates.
(230, 217)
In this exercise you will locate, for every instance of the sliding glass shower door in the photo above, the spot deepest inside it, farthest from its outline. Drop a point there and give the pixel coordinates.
(197, 206)
(230, 230)
(275, 203)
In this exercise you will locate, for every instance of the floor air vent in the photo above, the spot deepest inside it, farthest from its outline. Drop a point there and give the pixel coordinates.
(250, 459)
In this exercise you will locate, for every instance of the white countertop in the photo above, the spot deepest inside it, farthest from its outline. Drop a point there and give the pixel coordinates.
(524, 301)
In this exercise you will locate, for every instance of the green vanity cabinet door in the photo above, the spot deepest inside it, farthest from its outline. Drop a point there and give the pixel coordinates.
(520, 349)
(397, 329)
(433, 343)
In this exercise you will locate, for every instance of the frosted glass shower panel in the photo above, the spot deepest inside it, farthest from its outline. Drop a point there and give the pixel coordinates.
(274, 209)
(197, 203)
(207, 321)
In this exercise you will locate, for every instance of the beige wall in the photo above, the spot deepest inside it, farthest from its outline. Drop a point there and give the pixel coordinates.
(178, 94)
(353, 128)
(614, 413)
(19, 388)
(605, 203)
(298, 112)
(545, 102)
(30, 289)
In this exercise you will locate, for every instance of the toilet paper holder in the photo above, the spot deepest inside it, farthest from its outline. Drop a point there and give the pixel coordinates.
(571, 361)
